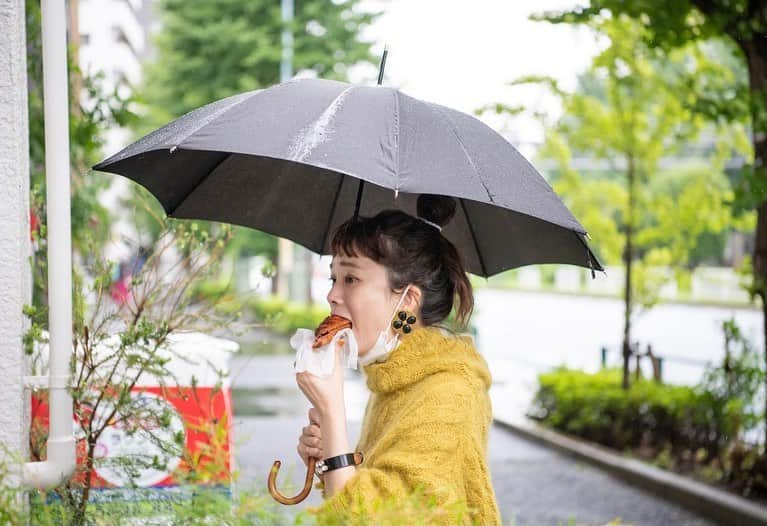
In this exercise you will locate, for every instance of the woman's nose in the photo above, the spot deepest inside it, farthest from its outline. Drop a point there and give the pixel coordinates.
(333, 296)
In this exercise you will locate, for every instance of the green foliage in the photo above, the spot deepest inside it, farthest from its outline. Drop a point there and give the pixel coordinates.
(700, 430)
(736, 92)
(210, 505)
(116, 344)
(674, 24)
(284, 316)
(90, 116)
(632, 108)
(648, 414)
(740, 377)
(209, 49)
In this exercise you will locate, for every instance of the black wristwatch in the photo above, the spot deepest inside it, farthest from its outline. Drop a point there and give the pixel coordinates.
(340, 461)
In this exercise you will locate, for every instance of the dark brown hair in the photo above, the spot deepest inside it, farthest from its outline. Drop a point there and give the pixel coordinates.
(414, 252)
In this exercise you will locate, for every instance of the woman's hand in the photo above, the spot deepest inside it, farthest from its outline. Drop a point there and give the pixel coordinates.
(310, 441)
(325, 394)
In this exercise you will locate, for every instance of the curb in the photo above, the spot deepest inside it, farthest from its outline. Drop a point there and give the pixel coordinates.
(693, 495)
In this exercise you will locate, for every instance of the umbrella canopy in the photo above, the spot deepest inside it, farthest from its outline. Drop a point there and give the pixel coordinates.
(294, 160)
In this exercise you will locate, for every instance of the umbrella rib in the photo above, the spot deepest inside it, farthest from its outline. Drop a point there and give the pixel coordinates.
(438, 110)
(215, 115)
(474, 238)
(396, 138)
(591, 258)
(332, 213)
(197, 185)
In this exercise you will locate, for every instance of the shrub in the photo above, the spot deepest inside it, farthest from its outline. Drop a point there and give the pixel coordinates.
(648, 414)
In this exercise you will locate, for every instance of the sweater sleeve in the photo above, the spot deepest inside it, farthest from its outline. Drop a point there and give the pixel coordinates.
(418, 449)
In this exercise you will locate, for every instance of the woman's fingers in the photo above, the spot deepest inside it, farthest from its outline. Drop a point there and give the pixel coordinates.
(314, 416)
(305, 452)
(311, 436)
(314, 442)
(310, 441)
(312, 430)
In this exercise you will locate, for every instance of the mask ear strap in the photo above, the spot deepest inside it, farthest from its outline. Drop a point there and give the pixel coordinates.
(397, 307)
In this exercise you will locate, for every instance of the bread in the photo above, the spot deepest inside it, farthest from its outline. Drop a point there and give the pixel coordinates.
(328, 328)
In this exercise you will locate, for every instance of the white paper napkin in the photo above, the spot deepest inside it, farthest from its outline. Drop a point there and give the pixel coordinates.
(321, 361)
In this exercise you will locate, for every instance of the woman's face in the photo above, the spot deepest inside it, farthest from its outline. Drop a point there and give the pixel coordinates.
(361, 293)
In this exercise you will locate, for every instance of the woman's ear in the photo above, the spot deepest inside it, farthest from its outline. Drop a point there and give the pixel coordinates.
(412, 301)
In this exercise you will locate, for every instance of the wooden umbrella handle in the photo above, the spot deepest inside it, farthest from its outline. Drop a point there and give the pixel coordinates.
(282, 499)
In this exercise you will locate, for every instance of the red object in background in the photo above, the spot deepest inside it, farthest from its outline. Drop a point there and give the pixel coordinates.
(120, 290)
(34, 224)
(200, 410)
(201, 415)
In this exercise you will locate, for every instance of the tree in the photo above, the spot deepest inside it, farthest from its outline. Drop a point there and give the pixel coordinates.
(742, 24)
(117, 344)
(629, 112)
(211, 49)
(208, 50)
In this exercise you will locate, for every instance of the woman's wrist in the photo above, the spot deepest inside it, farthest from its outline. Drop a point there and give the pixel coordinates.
(335, 441)
(335, 438)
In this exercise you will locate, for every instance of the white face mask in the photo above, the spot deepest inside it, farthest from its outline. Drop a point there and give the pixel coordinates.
(381, 348)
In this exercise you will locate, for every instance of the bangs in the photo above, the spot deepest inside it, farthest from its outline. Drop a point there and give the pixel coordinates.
(359, 238)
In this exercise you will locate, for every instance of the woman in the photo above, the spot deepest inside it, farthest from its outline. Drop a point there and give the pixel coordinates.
(426, 422)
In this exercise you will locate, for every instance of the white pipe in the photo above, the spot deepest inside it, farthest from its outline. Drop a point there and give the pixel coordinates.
(61, 460)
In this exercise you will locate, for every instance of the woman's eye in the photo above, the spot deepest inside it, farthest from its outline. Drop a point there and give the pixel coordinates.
(347, 279)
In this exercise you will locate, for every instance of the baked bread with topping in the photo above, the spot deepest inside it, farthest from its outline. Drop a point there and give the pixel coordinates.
(324, 333)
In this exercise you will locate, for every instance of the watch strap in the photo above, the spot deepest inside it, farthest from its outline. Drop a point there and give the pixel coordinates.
(340, 461)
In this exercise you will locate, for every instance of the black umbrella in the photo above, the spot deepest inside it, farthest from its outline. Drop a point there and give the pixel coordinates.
(293, 160)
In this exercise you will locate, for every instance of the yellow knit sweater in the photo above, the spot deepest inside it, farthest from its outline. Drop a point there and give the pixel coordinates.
(425, 425)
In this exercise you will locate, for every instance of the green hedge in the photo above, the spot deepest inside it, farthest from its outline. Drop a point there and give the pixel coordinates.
(596, 407)
(284, 316)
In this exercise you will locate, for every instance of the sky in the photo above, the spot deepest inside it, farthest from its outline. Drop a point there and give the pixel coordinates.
(463, 54)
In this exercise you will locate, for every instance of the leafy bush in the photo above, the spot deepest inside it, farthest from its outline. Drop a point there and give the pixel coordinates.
(648, 414)
(210, 505)
(284, 316)
(681, 428)
(740, 377)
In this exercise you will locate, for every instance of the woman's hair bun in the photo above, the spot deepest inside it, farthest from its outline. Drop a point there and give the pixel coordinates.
(438, 209)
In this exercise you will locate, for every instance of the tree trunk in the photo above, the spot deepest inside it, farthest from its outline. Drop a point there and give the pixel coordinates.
(628, 255)
(82, 504)
(756, 58)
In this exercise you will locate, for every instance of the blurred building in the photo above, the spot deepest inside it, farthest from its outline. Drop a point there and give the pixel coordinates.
(113, 38)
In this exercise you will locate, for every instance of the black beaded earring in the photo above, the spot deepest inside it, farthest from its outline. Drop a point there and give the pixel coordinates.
(403, 321)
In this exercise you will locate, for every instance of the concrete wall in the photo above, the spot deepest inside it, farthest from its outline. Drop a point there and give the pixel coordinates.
(15, 276)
